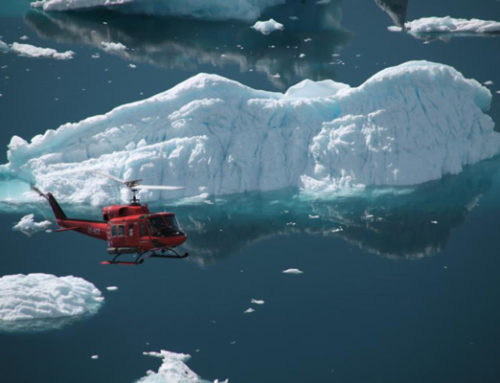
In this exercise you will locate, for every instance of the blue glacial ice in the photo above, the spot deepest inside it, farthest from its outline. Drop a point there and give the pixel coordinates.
(405, 125)
(39, 302)
(204, 9)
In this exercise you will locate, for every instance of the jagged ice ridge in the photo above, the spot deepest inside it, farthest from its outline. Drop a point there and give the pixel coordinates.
(403, 126)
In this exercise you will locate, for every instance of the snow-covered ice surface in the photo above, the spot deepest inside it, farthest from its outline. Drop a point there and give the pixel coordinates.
(448, 26)
(172, 370)
(28, 50)
(28, 226)
(38, 302)
(405, 125)
(3, 46)
(267, 27)
(203, 9)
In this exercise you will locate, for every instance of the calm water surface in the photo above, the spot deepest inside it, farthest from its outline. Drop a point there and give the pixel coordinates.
(399, 286)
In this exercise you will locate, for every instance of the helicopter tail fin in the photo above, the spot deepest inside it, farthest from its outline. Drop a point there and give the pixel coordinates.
(58, 212)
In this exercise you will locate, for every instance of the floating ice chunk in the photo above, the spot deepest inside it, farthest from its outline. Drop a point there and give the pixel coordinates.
(249, 310)
(172, 370)
(292, 271)
(111, 46)
(405, 125)
(202, 9)
(257, 301)
(94, 357)
(37, 302)
(267, 27)
(450, 26)
(112, 288)
(28, 226)
(488, 83)
(28, 50)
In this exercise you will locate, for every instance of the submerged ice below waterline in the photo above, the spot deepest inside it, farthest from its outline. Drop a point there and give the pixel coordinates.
(405, 125)
(40, 302)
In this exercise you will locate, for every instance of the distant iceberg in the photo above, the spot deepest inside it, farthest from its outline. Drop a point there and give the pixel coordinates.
(406, 125)
(38, 302)
(203, 9)
(428, 27)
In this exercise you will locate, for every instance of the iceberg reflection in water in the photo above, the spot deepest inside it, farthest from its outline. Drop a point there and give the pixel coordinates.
(286, 57)
(397, 223)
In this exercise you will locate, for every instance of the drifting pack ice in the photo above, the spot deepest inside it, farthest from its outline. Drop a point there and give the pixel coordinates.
(203, 9)
(405, 125)
(37, 302)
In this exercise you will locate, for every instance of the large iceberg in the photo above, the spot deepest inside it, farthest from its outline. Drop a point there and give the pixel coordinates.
(36, 302)
(444, 27)
(405, 125)
(206, 9)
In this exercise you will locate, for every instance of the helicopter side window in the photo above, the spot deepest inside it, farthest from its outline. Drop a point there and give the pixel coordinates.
(121, 230)
(113, 231)
(131, 230)
(142, 229)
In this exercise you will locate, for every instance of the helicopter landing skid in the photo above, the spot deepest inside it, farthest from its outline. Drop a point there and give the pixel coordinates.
(165, 252)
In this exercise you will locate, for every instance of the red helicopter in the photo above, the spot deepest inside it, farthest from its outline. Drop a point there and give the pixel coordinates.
(129, 229)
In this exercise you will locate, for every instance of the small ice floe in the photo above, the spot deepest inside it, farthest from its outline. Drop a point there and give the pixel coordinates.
(24, 38)
(311, 216)
(112, 288)
(28, 50)
(267, 27)
(302, 55)
(94, 357)
(248, 310)
(28, 226)
(307, 40)
(133, 66)
(40, 302)
(173, 369)
(110, 46)
(291, 223)
(257, 301)
(434, 222)
(232, 342)
(488, 83)
(95, 55)
(337, 229)
(292, 271)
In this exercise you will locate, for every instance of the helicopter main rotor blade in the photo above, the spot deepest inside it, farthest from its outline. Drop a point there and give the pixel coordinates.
(158, 187)
(112, 177)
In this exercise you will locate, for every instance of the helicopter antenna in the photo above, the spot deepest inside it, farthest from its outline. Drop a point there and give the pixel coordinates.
(134, 186)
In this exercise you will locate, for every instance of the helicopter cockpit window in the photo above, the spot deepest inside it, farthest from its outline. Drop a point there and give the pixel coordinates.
(121, 230)
(162, 226)
(142, 229)
(113, 231)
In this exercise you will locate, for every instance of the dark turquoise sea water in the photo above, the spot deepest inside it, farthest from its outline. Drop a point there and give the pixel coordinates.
(396, 287)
